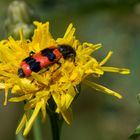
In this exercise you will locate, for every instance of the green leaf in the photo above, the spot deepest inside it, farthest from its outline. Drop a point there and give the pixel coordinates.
(136, 133)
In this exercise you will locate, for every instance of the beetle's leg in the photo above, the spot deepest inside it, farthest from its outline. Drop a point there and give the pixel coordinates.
(44, 70)
(59, 65)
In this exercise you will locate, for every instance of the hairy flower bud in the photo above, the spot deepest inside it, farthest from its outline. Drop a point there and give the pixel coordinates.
(20, 17)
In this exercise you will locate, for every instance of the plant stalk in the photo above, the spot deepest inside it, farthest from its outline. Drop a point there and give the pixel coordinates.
(56, 124)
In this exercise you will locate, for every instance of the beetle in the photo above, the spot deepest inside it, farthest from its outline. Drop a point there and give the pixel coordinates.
(46, 57)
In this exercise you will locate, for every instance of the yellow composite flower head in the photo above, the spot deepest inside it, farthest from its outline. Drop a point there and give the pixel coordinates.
(59, 84)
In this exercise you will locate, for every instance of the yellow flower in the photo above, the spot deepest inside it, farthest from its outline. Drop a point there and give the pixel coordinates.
(60, 85)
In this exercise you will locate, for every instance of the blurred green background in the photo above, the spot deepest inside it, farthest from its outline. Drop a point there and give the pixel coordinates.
(115, 24)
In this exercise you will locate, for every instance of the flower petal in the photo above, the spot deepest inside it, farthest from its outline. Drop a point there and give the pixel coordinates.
(102, 89)
(19, 99)
(22, 122)
(32, 119)
(106, 58)
(67, 115)
(114, 69)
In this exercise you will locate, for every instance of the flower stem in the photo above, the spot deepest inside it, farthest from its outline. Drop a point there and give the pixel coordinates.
(56, 124)
(55, 120)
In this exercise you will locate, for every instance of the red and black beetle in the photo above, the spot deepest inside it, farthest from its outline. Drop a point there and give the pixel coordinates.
(46, 57)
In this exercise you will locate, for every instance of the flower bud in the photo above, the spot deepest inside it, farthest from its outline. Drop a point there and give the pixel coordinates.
(20, 17)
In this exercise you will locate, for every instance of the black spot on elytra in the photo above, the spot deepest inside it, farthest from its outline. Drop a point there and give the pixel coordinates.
(34, 66)
(48, 52)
